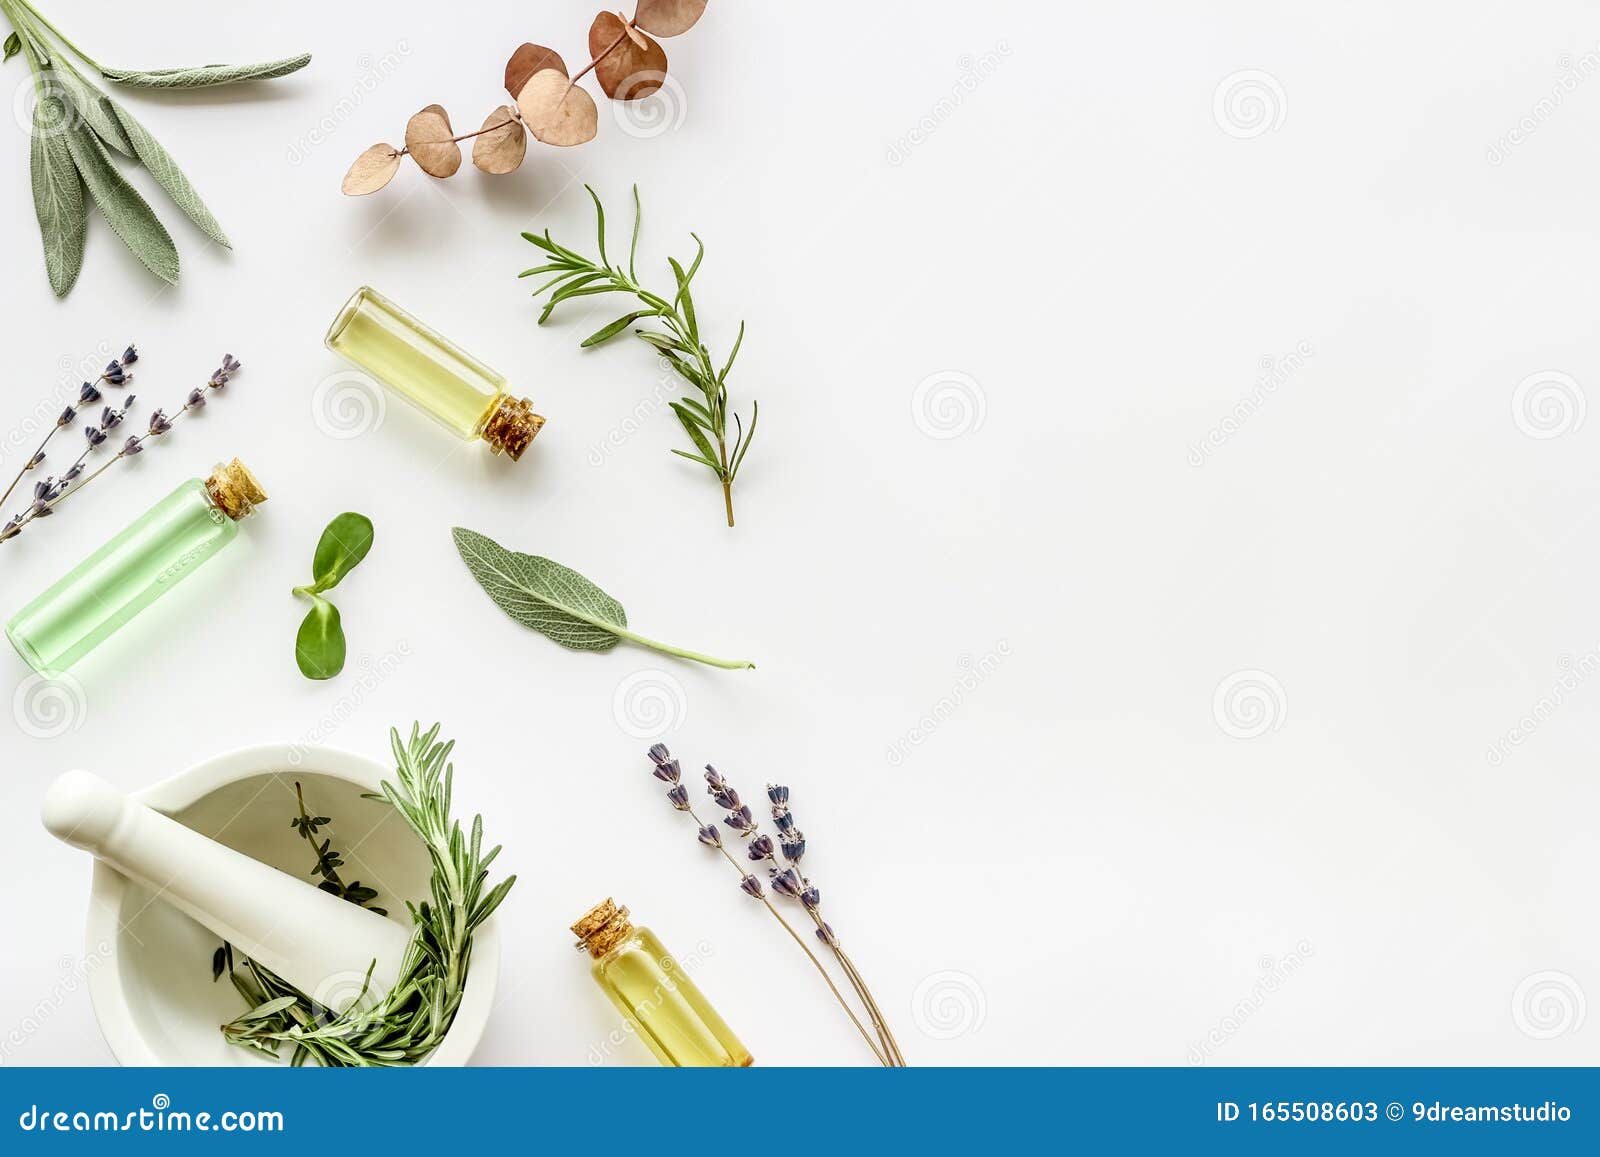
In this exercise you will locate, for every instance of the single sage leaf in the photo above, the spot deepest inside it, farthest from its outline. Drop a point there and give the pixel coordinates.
(167, 174)
(319, 644)
(557, 601)
(206, 75)
(13, 46)
(92, 107)
(344, 543)
(57, 195)
(128, 214)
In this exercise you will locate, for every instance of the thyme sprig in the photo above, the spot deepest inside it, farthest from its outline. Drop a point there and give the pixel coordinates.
(402, 1026)
(704, 414)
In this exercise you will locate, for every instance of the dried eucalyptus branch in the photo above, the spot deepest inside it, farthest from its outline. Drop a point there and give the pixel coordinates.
(740, 819)
(704, 418)
(53, 490)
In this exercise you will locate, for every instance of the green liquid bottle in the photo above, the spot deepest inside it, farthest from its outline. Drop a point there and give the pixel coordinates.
(155, 553)
(654, 994)
(445, 382)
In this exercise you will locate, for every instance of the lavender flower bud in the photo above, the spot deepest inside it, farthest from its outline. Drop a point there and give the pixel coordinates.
(35, 460)
(825, 934)
(42, 509)
(714, 778)
(88, 394)
(159, 423)
(667, 771)
(132, 446)
(778, 794)
(114, 373)
(725, 797)
(40, 489)
(678, 797)
(10, 530)
(811, 898)
(94, 435)
(67, 416)
(196, 399)
(787, 882)
(72, 472)
(794, 849)
(658, 753)
(710, 836)
(130, 355)
(230, 364)
(740, 821)
(110, 419)
(753, 887)
(783, 820)
(760, 847)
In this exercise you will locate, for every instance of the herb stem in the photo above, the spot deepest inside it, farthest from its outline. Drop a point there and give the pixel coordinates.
(680, 652)
(59, 35)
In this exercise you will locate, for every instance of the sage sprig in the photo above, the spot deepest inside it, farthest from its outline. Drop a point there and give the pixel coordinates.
(704, 413)
(557, 601)
(319, 646)
(75, 129)
(404, 1025)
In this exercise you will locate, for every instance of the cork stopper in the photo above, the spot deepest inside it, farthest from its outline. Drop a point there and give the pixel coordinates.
(602, 928)
(512, 426)
(235, 490)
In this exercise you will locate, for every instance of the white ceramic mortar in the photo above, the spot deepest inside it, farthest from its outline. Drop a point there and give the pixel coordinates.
(150, 979)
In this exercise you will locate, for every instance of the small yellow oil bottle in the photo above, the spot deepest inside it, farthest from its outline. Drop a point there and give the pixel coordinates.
(658, 999)
(445, 382)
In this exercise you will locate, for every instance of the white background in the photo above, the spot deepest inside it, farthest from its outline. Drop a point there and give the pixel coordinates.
(1092, 256)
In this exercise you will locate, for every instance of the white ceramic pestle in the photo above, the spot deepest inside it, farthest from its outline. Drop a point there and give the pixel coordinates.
(316, 941)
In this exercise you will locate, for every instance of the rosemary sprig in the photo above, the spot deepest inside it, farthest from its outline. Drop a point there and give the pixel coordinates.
(704, 414)
(404, 1025)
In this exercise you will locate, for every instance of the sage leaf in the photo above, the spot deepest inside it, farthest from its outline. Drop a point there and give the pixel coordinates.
(128, 214)
(344, 543)
(57, 196)
(92, 105)
(167, 174)
(13, 46)
(557, 601)
(319, 644)
(206, 75)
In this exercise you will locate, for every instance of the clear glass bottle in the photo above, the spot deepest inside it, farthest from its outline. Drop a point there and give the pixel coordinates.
(458, 391)
(150, 557)
(654, 993)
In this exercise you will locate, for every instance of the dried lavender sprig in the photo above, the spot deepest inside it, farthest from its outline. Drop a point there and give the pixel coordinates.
(114, 374)
(797, 886)
(666, 769)
(160, 423)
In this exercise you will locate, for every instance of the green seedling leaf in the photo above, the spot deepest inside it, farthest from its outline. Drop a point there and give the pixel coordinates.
(319, 644)
(344, 543)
